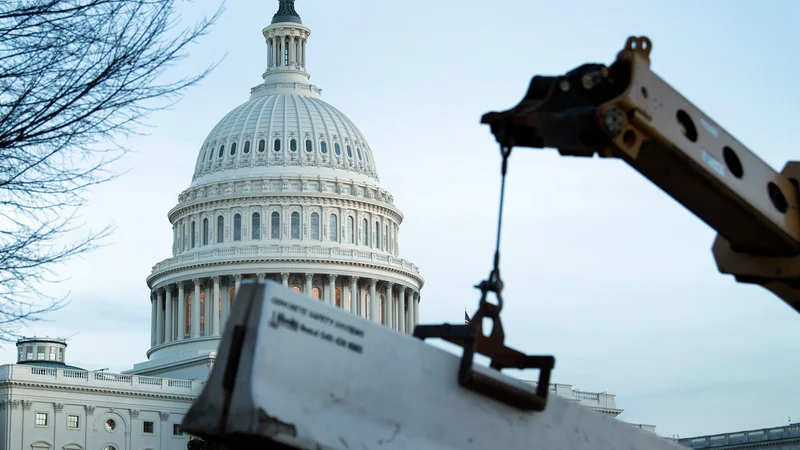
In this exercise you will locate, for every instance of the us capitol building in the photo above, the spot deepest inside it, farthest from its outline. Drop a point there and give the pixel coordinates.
(285, 188)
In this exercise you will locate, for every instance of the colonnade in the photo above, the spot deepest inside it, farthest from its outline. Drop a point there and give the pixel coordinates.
(180, 310)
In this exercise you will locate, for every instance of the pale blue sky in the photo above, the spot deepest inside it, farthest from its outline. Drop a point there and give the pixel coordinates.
(602, 269)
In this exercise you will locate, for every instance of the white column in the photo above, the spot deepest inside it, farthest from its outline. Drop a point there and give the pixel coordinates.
(159, 318)
(196, 309)
(237, 284)
(304, 52)
(269, 53)
(373, 301)
(353, 294)
(331, 298)
(168, 319)
(153, 320)
(387, 304)
(410, 317)
(309, 285)
(181, 312)
(415, 299)
(215, 309)
(226, 298)
(401, 302)
(285, 279)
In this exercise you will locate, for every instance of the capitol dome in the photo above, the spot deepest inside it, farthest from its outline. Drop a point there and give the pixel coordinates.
(285, 188)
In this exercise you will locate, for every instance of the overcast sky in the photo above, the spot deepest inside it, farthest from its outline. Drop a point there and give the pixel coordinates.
(602, 269)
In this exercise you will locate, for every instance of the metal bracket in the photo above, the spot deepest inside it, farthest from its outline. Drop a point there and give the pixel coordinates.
(472, 339)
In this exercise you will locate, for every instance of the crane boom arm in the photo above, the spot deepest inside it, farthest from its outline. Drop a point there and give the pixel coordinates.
(626, 111)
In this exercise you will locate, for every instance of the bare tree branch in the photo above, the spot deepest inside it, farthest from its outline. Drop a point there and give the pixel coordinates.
(75, 77)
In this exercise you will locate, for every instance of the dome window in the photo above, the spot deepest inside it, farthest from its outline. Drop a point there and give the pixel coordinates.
(350, 230)
(221, 151)
(205, 231)
(246, 147)
(358, 151)
(366, 156)
(309, 146)
(256, 226)
(276, 225)
(349, 152)
(315, 226)
(210, 153)
(237, 227)
(220, 228)
(293, 145)
(365, 232)
(337, 149)
(261, 146)
(276, 146)
(295, 225)
(233, 149)
(193, 234)
(323, 147)
(334, 225)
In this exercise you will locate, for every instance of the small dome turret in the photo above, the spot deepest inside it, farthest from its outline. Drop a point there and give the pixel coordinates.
(44, 351)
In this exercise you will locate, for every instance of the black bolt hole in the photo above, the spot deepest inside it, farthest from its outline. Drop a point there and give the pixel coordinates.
(644, 92)
(688, 128)
(732, 161)
(777, 198)
(629, 138)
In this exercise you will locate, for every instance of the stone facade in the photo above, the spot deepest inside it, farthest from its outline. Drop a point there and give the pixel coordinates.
(53, 408)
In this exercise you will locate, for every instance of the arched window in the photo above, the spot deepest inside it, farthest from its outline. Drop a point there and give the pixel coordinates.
(350, 228)
(349, 152)
(309, 146)
(358, 152)
(194, 240)
(246, 149)
(293, 145)
(237, 227)
(255, 226)
(276, 225)
(286, 55)
(262, 145)
(377, 243)
(366, 156)
(276, 145)
(188, 313)
(233, 148)
(338, 298)
(205, 231)
(295, 225)
(364, 232)
(323, 147)
(334, 227)
(221, 151)
(315, 226)
(220, 228)
(185, 241)
(210, 153)
(337, 149)
(385, 237)
(315, 293)
(296, 288)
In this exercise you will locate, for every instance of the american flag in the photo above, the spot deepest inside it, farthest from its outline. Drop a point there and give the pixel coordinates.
(466, 318)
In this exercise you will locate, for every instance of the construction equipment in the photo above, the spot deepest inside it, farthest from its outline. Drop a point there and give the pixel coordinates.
(295, 373)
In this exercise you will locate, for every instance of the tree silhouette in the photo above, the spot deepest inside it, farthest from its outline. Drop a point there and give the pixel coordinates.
(76, 76)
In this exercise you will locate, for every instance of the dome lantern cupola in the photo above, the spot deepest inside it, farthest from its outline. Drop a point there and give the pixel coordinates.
(286, 47)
